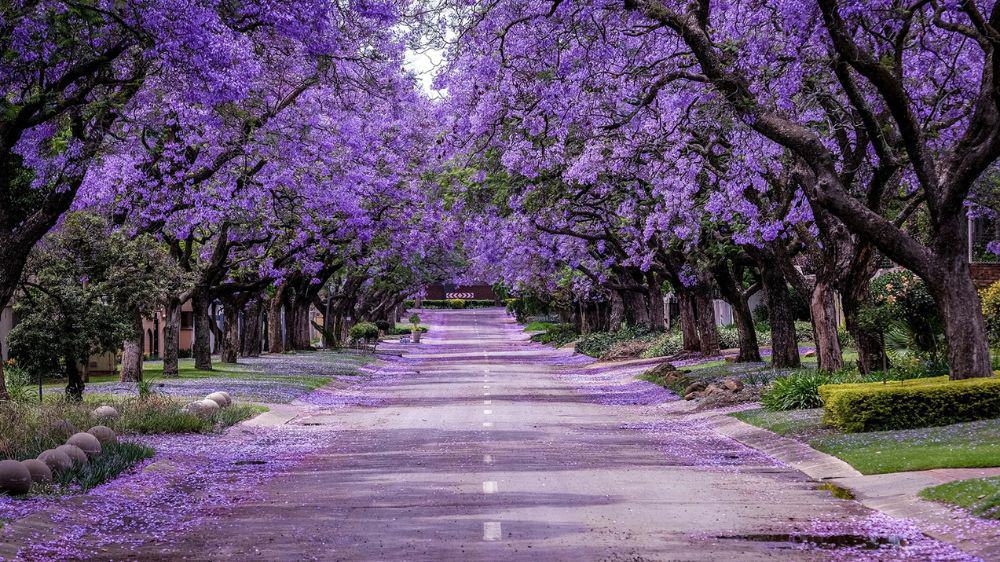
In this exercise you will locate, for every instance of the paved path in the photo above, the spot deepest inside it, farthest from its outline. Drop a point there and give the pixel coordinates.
(489, 451)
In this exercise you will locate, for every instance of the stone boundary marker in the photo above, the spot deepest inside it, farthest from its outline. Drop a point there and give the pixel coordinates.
(894, 494)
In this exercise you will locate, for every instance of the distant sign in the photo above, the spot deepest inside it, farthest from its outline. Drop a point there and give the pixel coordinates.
(460, 295)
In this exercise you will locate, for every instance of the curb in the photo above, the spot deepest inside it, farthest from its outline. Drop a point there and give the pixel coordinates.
(893, 494)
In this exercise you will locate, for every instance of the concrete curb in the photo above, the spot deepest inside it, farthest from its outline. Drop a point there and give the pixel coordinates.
(893, 494)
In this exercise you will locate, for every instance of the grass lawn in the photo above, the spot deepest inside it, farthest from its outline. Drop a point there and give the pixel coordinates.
(962, 445)
(539, 326)
(981, 496)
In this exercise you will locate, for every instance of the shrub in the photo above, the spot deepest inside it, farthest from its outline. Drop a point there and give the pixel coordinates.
(363, 331)
(667, 344)
(796, 391)
(902, 301)
(909, 404)
(558, 334)
(19, 383)
(803, 331)
(414, 319)
(456, 303)
(597, 344)
(384, 325)
(991, 310)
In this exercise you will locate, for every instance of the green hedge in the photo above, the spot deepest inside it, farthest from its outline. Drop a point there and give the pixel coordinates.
(909, 404)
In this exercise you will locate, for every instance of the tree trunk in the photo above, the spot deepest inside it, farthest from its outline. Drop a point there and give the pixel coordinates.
(230, 332)
(132, 352)
(964, 325)
(213, 313)
(74, 382)
(617, 315)
(200, 302)
(870, 344)
(688, 320)
(637, 309)
(738, 299)
(656, 316)
(250, 340)
(824, 315)
(171, 337)
(298, 325)
(784, 348)
(275, 340)
(4, 395)
(708, 332)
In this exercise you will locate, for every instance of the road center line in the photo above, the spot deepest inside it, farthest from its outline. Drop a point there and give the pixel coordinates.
(491, 530)
(487, 424)
(487, 402)
(488, 459)
(487, 412)
(489, 487)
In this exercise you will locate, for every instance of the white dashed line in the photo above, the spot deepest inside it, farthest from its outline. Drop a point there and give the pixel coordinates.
(488, 459)
(487, 412)
(487, 424)
(489, 487)
(491, 531)
(486, 386)
(487, 402)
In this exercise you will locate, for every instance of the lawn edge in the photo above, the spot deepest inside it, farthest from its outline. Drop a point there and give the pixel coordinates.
(879, 492)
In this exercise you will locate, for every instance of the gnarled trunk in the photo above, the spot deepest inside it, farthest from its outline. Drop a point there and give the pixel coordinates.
(132, 352)
(171, 337)
(823, 307)
(656, 316)
(250, 337)
(275, 336)
(200, 302)
(869, 343)
(964, 325)
(230, 332)
(688, 320)
(781, 317)
(617, 315)
(708, 332)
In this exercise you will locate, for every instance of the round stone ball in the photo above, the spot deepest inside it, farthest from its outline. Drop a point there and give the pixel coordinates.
(105, 413)
(229, 397)
(40, 472)
(208, 407)
(86, 442)
(62, 429)
(57, 461)
(104, 434)
(75, 454)
(15, 480)
(219, 398)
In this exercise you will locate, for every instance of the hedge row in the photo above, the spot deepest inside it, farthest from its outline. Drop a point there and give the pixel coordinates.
(909, 404)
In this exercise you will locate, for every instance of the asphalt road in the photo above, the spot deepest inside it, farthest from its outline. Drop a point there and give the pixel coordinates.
(484, 453)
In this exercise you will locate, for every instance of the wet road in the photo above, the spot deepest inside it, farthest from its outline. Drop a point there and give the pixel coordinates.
(487, 450)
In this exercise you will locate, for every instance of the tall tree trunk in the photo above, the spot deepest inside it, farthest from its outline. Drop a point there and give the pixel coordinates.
(781, 317)
(823, 307)
(637, 309)
(200, 302)
(250, 340)
(656, 316)
(4, 395)
(708, 332)
(230, 331)
(964, 326)
(275, 340)
(132, 352)
(869, 343)
(74, 380)
(213, 314)
(688, 320)
(617, 315)
(171, 337)
(738, 299)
